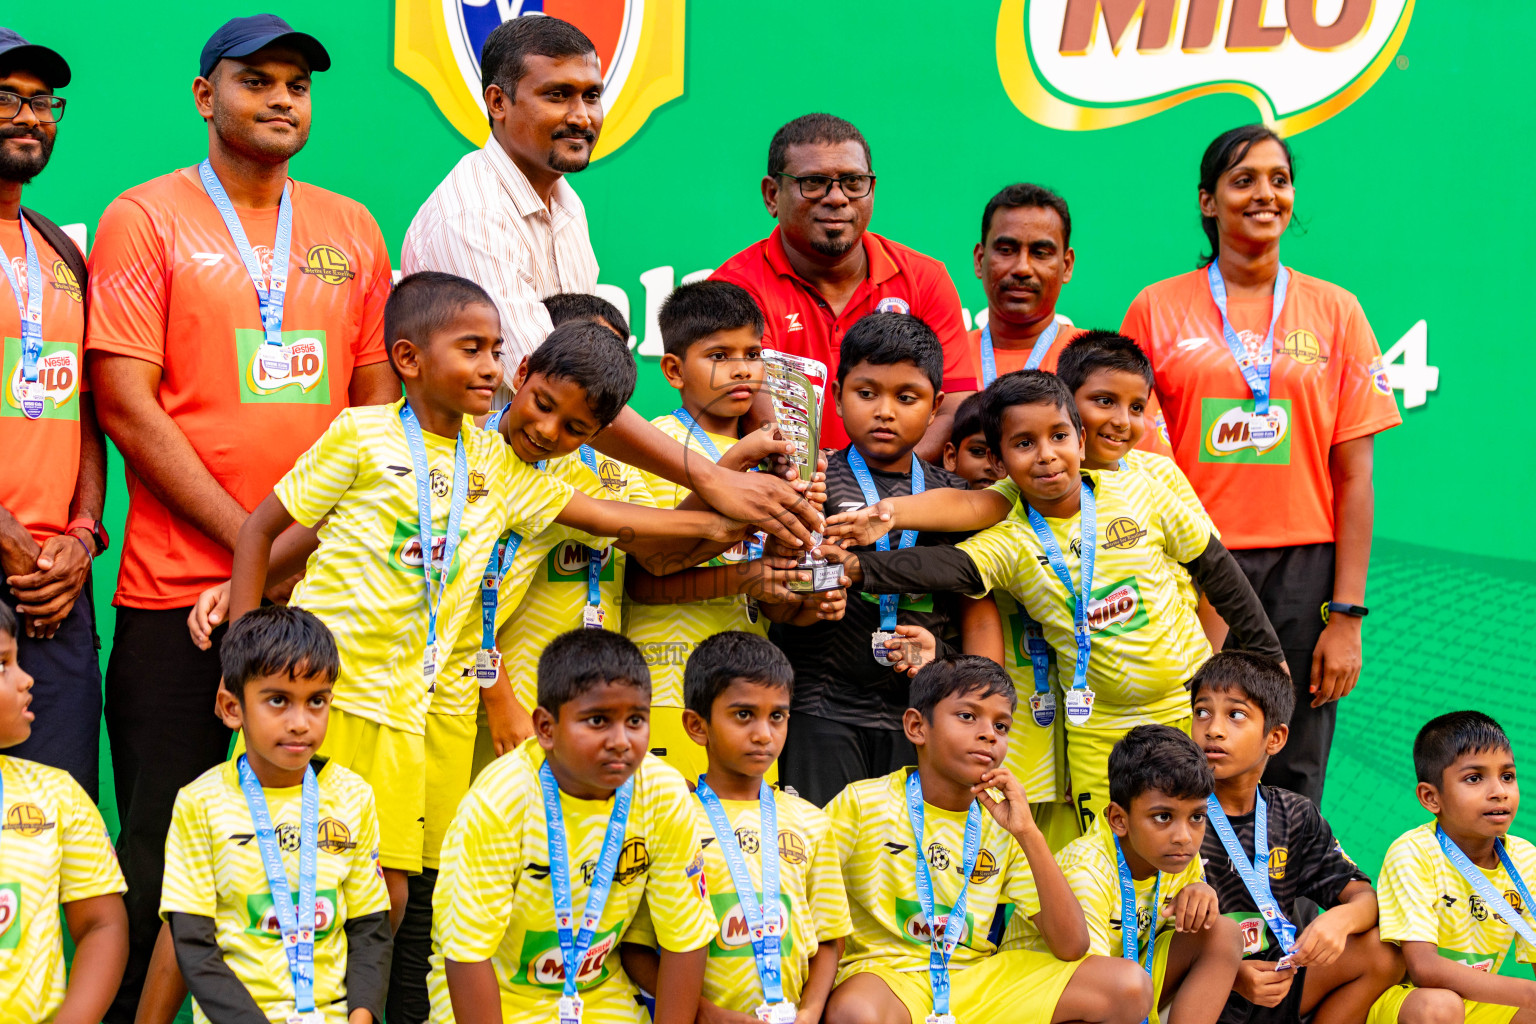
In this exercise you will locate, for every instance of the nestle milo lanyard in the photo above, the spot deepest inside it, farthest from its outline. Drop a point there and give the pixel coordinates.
(888, 602)
(423, 473)
(1042, 703)
(29, 390)
(1256, 370)
(296, 924)
(1130, 926)
(941, 941)
(1484, 888)
(575, 942)
(764, 923)
(1036, 354)
(271, 289)
(1079, 699)
(592, 611)
(707, 443)
(1255, 873)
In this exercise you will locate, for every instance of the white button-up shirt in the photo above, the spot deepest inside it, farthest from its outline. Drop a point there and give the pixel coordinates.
(485, 222)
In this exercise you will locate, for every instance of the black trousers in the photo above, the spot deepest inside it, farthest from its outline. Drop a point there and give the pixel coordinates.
(408, 1000)
(821, 756)
(160, 721)
(1294, 583)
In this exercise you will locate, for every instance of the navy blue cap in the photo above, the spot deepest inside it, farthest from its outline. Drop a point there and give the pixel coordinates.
(16, 54)
(241, 37)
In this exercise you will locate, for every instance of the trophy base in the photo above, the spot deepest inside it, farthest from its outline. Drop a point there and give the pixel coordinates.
(825, 576)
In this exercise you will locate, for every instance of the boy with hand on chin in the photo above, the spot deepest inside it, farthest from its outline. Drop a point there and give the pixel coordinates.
(1336, 967)
(769, 856)
(928, 857)
(552, 849)
(1455, 891)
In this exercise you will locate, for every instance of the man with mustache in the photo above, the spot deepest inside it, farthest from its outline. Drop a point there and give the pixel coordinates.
(234, 313)
(51, 495)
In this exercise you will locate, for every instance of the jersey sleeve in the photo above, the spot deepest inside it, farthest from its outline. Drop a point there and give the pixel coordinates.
(941, 310)
(1523, 855)
(996, 553)
(1406, 897)
(1365, 404)
(642, 930)
(674, 887)
(311, 489)
(1089, 888)
(534, 499)
(189, 886)
(824, 886)
(481, 862)
(844, 814)
(1186, 532)
(1168, 473)
(129, 285)
(88, 866)
(364, 885)
(368, 346)
(1019, 887)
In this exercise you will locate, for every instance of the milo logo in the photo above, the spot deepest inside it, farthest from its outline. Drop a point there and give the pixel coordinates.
(1117, 608)
(58, 374)
(262, 913)
(1485, 962)
(405, 550)
(735, 937)
(1231, 432)
(10, 915)
(301, 375)
(546, 967)
(914, 923)
(568, 563)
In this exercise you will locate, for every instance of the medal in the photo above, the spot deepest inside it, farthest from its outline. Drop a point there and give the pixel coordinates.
(313, 1017)
(1079, 705)
(570, 1010)
(1079, 698)
(486, 664)
(592, 616)
(883, 654)
(31, 395)
(1042, 707)
(939, 1018)
(776, 1013)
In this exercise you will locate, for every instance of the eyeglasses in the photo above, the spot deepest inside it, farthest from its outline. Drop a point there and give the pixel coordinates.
(815, 186)
(48, 109)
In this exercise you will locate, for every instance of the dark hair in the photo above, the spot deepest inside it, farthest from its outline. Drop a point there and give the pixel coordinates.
(424, 303)
(563, 306)
(722, 659)
(883, 339)
(697, 310)
(1444, 739)
(1021, 195)
(967, 420)
(809, 130)
(8, 622)
(584, 659)
(502, 57)
(1255, 677)
(276, 639)
(593, 357)
(1157, 757)
(1023, 387)
(956, 677)
(1220, 156)
(1101, 350)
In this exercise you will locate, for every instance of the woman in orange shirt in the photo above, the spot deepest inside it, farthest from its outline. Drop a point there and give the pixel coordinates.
(1272, 387)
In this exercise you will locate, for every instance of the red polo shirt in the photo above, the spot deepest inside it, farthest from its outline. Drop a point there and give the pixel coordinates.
(900, 280)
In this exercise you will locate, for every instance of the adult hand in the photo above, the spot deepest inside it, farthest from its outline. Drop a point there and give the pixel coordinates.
(1336, 660)
(774, 506)
(46, 596)
(1258, 982)
(18, 551)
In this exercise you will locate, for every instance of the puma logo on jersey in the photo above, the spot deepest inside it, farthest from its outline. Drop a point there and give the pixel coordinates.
(794, 322)
(208, 259)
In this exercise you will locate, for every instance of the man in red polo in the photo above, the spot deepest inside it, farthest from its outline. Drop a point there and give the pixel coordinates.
(821, 269)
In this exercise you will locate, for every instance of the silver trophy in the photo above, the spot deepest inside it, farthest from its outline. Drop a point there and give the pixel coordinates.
(795, 386)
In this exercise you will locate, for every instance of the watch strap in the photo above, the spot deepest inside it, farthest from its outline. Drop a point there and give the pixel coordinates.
(1359, 611)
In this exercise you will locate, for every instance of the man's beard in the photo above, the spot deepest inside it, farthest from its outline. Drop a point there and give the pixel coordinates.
(563, 164)
(239, 135)
(23, 167)
(835, 246)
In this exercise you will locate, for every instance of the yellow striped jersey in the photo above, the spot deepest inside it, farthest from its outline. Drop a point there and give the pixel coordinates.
(875, 846)
(365, 580)
(494, 901)
(1147, 641)
(1423, 898)
(667, 633)
(814, 907)
(1037, 755)
(213, 869)
(54, 849)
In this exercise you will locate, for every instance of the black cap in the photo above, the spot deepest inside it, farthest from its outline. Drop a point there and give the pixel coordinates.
(241, 37)
(16, 54)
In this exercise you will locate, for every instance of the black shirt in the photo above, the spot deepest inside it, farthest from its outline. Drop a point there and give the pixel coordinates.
(836, 675)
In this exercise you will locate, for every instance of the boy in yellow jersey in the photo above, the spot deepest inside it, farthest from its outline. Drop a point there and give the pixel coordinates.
(54, 851)
(276, 851)
(1125, 647)
(552, 850)
(930, 856)
(778, 849)
(1141, 864)
(1455, 891)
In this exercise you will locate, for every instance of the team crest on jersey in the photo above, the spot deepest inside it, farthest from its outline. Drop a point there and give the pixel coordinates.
(986, 866)
(635, 860)
(1123, 533)
(327, 263)
(938, 856)
(27, 820)
(748, 840)
(1303, 346)
(639, 43)
(1278, 858)
(477, 487)
(791, 847)
(303, 379)
(334, 836)
(611, 475)
(58, 372)
(891, 304)
(64, 280)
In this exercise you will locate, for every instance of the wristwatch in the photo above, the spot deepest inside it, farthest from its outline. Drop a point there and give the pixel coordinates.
(97, 531)
(1359, 611)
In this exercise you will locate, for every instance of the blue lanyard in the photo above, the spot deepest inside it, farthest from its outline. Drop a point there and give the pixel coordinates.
(763, 921)
(271, 296)
(941, 945)
(1089, 542)
(1039, 653)
(1255, 371)
(31, 315)
(1479, 881)
(697, 433)
(1036, 355)
(594, 555)
(888, 602)
(1130, 939)
(573, 947)
(1254, 873)
(298, 933)
(495, 572)
(423, 474)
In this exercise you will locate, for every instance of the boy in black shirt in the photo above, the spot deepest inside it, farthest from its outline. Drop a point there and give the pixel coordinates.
(846, 719)
(1335, 967)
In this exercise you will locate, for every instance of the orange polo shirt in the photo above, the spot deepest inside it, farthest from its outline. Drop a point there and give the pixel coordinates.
(1011, 359)
(799, 321)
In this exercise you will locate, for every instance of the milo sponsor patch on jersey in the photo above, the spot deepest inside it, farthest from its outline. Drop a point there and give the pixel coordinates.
(1484, 962)
(305, 378)
(1230, 431)
(58, 374)
(734, 937)
(914, 924)
(1251, 927)
(1117, 608)
(10, 915)
(405, 550)
(567, 563)
(261, 913)
(545, 967)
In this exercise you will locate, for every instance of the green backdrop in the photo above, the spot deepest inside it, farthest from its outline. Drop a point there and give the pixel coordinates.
(1415, 198)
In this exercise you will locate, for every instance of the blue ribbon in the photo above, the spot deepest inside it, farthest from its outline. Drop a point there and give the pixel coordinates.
(888, 602)
(594, 555)
(490, 583)
(1255, 371)
(1130, 927)
(1254, 873)
(31, 316)
(423, 473)
(298, 932)
(1479, 881)
(762, 918)
(941, 945)
(270, 296)
(574, 943)
(1036, 354)
(1079, 595)
(704, 441)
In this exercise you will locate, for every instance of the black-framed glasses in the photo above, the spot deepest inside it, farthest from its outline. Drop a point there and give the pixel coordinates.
(48, 109)
(815, 186)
